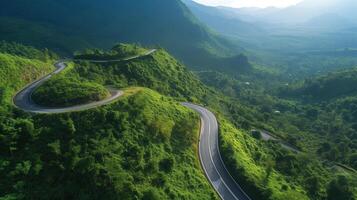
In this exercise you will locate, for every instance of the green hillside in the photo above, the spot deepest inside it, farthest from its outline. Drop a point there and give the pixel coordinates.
(283, 90)
(323, 133)
(144, 145)
(329, 103)
(62, 91)
(17, 69)
(159, 71)
(163, 73)
(141, 147)
(104, 153)
(120, 51)
(61, 26)
(325, 88)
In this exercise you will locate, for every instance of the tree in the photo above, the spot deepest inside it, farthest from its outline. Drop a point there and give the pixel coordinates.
(256, 134)
(313, 185)
(353, 160)
(26, 132)
(151, 194)
(167, 164)
(339, 189)
(312, 113)
(270, 164)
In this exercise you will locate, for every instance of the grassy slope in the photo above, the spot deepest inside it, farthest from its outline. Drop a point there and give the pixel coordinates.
(119, 51)
(142, 129)
(105, 153)
(65, 91)
(142, 146)
(255, 165)
(159, 71)
(16, 72)
(163, 73)
(240, 152)
(295, 124)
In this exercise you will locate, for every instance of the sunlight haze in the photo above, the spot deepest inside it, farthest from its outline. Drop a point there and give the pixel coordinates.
(249, 3)
(178, 99)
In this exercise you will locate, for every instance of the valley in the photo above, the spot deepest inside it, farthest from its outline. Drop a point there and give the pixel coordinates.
(177, 100)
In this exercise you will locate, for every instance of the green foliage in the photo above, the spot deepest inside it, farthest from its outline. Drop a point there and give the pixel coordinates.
(119, 51)
(330, 112)
(287, 172)
(258, 170)
(113, 22)
(144, 145)
(158, 71)
(324, 88)
(26, 51)
(151, 194)
(16, 72)
(339, 189)
(104, 153)
(140, 147)
(166, 164)
(62, 91)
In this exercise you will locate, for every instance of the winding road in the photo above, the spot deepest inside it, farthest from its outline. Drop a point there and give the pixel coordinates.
(210, 158)
(24, 101)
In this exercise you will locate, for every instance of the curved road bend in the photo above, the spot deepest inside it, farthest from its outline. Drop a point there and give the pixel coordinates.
(24, 101)
(210, 157)
(116, 60)
(211, 160)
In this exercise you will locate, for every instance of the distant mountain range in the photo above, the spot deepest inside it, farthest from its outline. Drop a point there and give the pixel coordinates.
(310, 9)
(224, 20)
(296, 14)
(308, 25)
(66, 26)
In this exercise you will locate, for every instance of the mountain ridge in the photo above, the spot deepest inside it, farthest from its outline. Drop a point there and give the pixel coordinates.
(169, 24)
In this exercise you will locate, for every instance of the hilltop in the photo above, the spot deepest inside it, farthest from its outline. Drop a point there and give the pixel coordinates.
(144, 145)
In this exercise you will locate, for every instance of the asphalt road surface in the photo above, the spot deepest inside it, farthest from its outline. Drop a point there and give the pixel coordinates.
(211, 160)
(24, 101)
(210, 157)
(116, 60)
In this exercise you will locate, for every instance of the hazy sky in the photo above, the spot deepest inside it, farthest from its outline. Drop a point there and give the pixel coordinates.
(249, 3)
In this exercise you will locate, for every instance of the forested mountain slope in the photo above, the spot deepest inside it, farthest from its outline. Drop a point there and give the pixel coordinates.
(310, 38)
(66, 26)
(328, 87)
(144, 145)
(141, 147)
(20, 65)
(330, 102)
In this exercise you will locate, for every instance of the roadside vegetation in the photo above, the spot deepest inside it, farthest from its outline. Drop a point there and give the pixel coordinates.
(278, 173)
(62, 91)
(119, 51)
(247, 106)
(144, 146)
(158, 71)
(331, 110)
(20, 65)
(104, 153)
(322, 129)
(278, 79)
